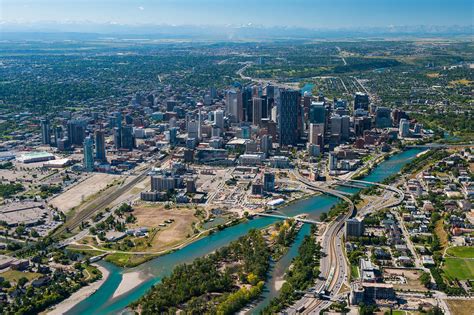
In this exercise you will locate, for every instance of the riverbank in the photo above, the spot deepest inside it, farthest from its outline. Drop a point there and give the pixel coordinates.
(130, 281)
(102, 302)
(80, 294)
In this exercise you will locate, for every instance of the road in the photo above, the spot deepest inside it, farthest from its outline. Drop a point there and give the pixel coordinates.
(248, 64)
(101, 204)
(334, 257)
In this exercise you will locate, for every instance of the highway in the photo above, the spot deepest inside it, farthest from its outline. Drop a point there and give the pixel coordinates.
(334, 262)
(334, 267)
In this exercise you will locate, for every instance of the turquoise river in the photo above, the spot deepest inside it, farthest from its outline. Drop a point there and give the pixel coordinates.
(102, 301)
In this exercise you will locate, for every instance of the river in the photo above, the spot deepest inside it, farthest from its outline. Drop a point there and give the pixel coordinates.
(102, 302)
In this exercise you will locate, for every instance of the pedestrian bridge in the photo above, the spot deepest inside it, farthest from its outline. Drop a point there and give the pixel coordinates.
(284, 217)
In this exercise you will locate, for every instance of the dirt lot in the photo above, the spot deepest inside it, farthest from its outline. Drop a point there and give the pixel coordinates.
(172, 234)
(410, 275)
(80, 192)
(460, 307)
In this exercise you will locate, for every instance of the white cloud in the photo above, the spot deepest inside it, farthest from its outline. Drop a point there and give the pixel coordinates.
(141, 8)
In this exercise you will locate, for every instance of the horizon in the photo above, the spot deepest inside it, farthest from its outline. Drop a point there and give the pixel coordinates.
(304, 14)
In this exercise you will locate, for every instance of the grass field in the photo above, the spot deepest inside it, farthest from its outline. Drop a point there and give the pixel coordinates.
(461, 252)
(126, 260)
(441, 233)
(15, 275)
(460, 307)
(459, 268)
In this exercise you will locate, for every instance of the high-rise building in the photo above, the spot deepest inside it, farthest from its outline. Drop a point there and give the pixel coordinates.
(257, 104)
(354, 227)
(404, 128)
(245, 132)
(361, 101)
(383, 117)
(340, 104)
(45, 132)
(118, 137)
(268, 181)
(265, 143)
(361, 124)
(192, 129)
(100, 153)
(289, 107)
(116, 119)
(170, 105)
(219, 118)
(270, 91)
(232, 106)
(76, 132)
(126, 138)
(345, 127)
(213, 92)
(58, 134)
(88, 154)
(162, 183)
(245, 101)
(332, 161)
(336, 125)
(317, 113)
(173, 135)
(314, 131)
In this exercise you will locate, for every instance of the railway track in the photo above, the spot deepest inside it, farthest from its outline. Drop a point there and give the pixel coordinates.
(90, 210)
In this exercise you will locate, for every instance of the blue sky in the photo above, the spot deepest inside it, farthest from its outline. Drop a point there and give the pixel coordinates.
(303, 13)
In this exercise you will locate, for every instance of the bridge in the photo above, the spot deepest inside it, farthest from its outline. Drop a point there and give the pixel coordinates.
(400, 193)
(284, 217)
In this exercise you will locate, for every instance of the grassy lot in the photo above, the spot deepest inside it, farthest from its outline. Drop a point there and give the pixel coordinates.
(441, 233)
(460, 307)
(354, 272)
(459, 268)
(126, 260)
(15, 275)
(461, 252)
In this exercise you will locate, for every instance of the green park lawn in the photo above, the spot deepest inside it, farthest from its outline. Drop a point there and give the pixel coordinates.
(459, 268)
(461, 251)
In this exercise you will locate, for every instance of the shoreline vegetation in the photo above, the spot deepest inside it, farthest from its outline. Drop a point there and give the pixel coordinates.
(135, 279)
(224, 281)
(80, 294)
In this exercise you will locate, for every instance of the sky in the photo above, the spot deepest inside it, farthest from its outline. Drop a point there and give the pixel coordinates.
(299, 13)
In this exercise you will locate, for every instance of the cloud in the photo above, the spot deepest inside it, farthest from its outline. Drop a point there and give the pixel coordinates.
(141, 8)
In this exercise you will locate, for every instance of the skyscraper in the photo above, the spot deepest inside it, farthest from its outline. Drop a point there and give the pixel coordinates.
(232, 106)
(219, 118)
(314, 131)
(45, 132)
(76, 132)
(126, 137)
(317, 113)
(345, 127)
(118, 137)
(361, 101)
(257, 103)
(88, 154)
(58, 134)
(404, 128)
(245, 101)
(288, 117)
(383, 117)
(268, 181)
(336, 125)
(100, 154)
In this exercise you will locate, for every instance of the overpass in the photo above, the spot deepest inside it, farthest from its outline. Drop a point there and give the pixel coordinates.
(399, 192)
